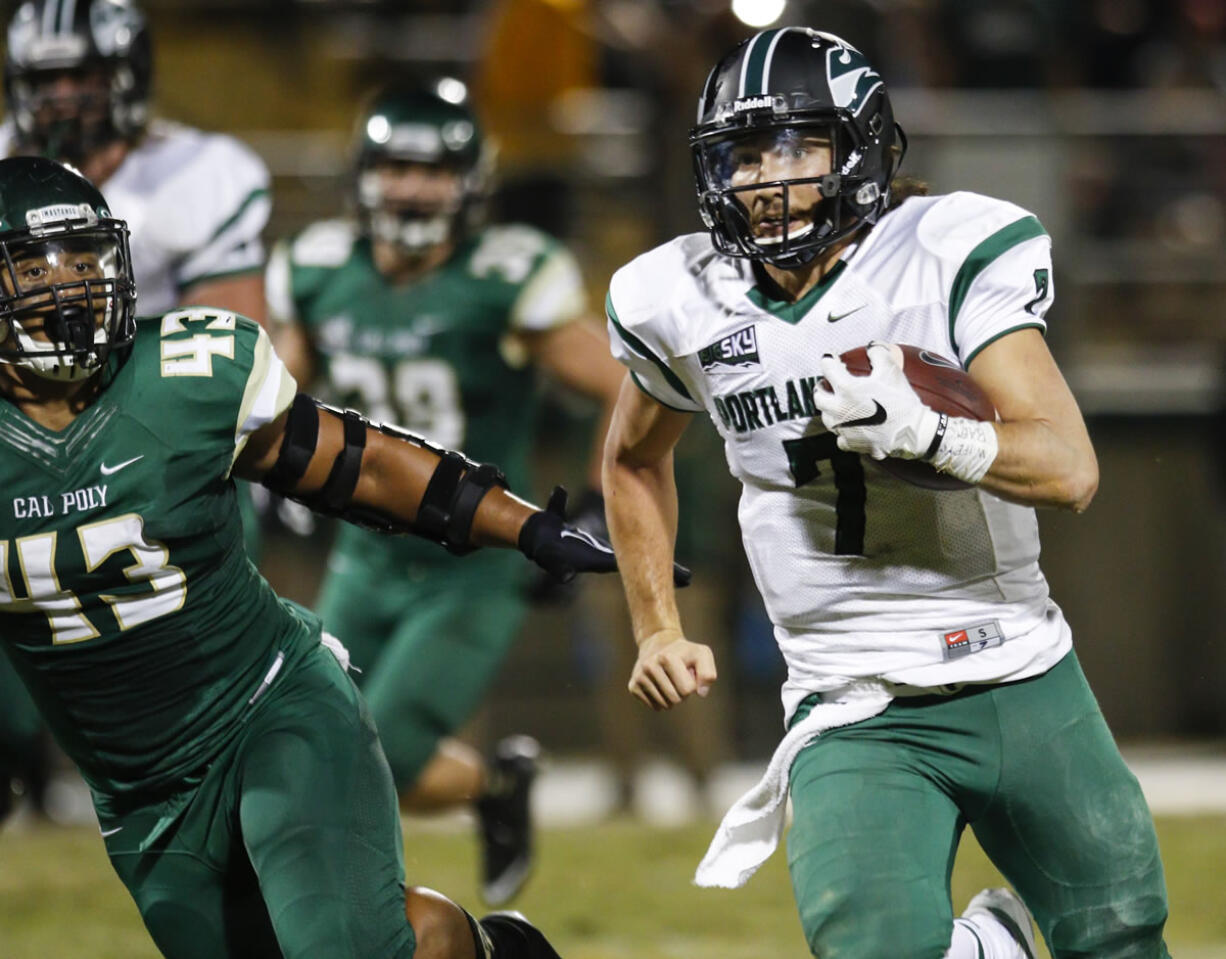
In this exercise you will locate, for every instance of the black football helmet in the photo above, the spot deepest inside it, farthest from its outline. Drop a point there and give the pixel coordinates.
(47, 38)
(778, 87)
(55, 227)
(431, 125)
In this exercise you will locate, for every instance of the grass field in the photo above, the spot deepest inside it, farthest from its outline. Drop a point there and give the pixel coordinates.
(619, 890)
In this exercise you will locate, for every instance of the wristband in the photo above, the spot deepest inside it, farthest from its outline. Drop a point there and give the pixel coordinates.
(942, 426)
(967, 450)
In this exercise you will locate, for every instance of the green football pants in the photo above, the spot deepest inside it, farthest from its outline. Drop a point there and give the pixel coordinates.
(879, 808)
(427, 649)
(290, 844)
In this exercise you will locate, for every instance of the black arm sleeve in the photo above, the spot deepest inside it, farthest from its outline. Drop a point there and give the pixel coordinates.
(449, 503)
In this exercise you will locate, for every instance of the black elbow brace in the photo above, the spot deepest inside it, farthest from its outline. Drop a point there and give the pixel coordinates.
(447, 508)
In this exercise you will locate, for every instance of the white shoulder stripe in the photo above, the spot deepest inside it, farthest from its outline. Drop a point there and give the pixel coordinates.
(268, 403)
(269, 391)
(552, 297)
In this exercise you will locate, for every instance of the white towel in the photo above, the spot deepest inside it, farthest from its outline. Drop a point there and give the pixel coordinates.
(750, 830)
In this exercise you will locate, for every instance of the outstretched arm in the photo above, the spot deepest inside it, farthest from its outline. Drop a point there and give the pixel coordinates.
(338, 463)
(641, 505)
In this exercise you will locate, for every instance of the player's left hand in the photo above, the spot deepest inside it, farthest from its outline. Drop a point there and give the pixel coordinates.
(559, 548)
(878, 415)
(586, 514)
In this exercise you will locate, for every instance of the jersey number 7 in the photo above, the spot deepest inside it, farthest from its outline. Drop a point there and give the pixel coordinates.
(803, 456)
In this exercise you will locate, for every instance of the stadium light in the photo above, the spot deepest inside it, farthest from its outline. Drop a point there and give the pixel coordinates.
(451, 89)
(758, 13)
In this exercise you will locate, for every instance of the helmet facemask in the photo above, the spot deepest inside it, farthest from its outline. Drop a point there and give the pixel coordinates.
(784, 85)
(53, 323)
(414, 225)
(782, 191)
(69, 114)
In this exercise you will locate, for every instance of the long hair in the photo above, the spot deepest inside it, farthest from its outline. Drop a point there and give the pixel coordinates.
(904, 187)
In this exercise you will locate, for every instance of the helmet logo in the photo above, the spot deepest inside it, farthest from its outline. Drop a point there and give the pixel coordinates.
(851, 77)
(752, 103)
(46, 215)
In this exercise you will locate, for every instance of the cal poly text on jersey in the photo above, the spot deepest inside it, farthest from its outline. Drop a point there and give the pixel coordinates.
(72, 501)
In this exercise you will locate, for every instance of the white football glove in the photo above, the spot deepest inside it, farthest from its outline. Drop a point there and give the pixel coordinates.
(878, 415)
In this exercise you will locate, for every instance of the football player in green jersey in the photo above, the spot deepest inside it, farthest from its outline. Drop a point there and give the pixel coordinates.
(238, 781)
(78, 88)
(417, 314)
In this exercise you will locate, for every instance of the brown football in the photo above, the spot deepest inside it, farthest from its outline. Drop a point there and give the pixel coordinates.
(943, 385)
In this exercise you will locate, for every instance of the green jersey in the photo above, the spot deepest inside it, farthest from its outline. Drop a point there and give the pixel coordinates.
(127, 602)
(437, 356)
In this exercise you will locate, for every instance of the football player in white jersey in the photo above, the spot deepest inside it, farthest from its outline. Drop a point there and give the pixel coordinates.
(77, 85)
(931, 682)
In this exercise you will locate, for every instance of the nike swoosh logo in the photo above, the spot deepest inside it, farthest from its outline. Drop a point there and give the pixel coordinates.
(832, 318)
(108, 470)
(586, 538)
(876, 419)
(111, 832)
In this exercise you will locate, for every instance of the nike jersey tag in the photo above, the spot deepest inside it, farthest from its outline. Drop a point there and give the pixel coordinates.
(971, 639)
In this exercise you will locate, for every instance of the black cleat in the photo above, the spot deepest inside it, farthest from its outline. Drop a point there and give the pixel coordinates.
(514, 937)
(506, 819)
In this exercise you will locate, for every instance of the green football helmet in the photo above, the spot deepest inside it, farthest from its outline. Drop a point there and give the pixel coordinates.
(431, 126)
(67, 296)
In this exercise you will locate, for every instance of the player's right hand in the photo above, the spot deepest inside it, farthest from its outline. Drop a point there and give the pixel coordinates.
(670, 668)
(878, 415)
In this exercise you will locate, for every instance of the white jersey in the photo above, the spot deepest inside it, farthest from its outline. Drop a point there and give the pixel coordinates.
(862, 574)
(195, 203)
